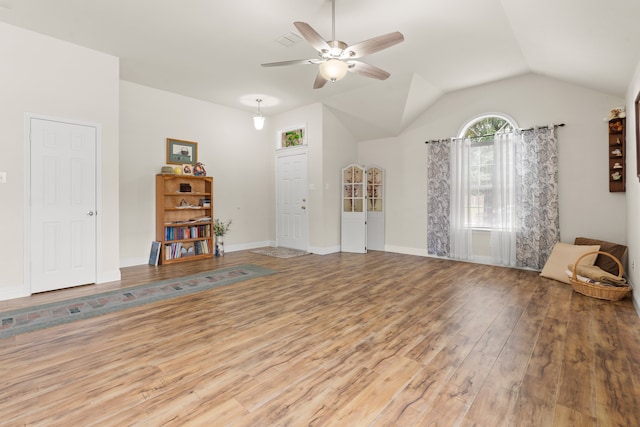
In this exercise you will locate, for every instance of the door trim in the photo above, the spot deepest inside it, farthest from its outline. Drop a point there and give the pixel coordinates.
(287, 152)
(27, 193)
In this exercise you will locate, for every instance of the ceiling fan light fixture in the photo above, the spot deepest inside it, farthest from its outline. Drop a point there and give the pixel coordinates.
(258, 118)
(333, 69)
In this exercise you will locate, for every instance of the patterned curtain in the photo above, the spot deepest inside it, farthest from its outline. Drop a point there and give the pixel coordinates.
(536, 194)
(438, 197)
(538, 222)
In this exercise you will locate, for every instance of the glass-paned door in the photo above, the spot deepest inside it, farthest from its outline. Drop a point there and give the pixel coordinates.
(354, 213)
(375, 208)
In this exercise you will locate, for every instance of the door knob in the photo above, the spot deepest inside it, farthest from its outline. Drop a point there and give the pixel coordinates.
(90, 213)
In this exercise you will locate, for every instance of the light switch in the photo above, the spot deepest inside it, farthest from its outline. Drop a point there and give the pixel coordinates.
(3, 177)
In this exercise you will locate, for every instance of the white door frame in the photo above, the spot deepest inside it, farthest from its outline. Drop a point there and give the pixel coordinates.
(27, 192)
(285, 153)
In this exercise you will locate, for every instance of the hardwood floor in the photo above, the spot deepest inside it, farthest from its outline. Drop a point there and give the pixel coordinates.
(338, 340)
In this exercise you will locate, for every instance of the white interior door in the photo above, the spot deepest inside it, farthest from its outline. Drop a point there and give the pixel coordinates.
(62, 243)
(353, 235)
(292, 201)
(375, 208)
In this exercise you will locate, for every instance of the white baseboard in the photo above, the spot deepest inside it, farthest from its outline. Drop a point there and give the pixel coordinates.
(15, 291)
(406, 250)
(324, 251)
(109, 276)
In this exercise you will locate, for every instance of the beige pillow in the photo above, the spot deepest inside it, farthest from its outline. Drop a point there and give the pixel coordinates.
(564, 254)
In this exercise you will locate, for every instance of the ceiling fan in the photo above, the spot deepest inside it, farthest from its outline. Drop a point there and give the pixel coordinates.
(335, 57)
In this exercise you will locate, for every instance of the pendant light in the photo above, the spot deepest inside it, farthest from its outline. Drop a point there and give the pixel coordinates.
(258, 118)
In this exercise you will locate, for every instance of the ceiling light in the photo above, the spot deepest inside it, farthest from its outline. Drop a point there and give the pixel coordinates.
(333, 69)
(258, 118)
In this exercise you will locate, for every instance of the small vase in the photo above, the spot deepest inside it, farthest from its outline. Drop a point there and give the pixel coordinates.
(219, 246)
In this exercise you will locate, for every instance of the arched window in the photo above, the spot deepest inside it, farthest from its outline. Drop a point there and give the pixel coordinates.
(481, 131)
(502, 183)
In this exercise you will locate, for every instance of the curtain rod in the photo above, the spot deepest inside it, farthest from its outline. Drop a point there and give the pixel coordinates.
(482, 136)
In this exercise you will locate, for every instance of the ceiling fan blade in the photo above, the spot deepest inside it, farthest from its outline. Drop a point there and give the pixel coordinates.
(294, 62)
(367, 70)
(373, 45)
(312, 36)
(319, 82)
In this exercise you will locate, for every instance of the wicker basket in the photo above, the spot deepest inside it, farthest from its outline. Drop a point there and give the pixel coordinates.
(611, 293)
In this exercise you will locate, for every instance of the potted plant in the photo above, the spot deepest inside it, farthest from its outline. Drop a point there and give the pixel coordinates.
(219, 230)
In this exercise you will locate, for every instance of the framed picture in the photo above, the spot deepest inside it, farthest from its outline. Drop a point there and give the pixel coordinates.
(293, 137)
(181, 152)
(154, 254)
(637, 105)
(187, 169)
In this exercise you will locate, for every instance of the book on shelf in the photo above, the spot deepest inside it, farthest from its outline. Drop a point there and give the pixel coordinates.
(178, 250)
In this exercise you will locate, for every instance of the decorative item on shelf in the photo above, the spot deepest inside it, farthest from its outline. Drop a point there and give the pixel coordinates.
(199, 170)
(219, 230)
(187, 169)
(617, 165)
(177, 170)
(616, 152)
(616, 176)
(185, 188)
(617, 113)
(615, 126)
(166, 170)
(205, 203)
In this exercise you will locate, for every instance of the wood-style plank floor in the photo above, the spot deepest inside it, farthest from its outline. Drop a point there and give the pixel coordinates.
(379, 339)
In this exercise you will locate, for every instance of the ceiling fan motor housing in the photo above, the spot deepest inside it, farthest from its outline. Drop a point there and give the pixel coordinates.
(336, 49)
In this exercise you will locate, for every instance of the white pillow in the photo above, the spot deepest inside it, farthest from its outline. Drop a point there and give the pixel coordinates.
(564, 254)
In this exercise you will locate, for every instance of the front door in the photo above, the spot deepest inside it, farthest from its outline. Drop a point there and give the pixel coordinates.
(292, 201)
(62, 243)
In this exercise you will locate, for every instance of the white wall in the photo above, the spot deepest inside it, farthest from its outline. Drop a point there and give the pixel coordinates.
(586, 206)
(339, 150)
(45, 76)
(239, 158)
(633, 190)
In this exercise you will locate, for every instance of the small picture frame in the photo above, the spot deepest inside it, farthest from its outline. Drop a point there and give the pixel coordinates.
(181, 152)
(187, 169)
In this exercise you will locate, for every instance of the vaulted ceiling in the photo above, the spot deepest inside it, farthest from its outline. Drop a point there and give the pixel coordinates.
(212, 49)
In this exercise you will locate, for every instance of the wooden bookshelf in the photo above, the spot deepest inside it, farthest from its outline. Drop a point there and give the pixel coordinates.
(184, 217)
